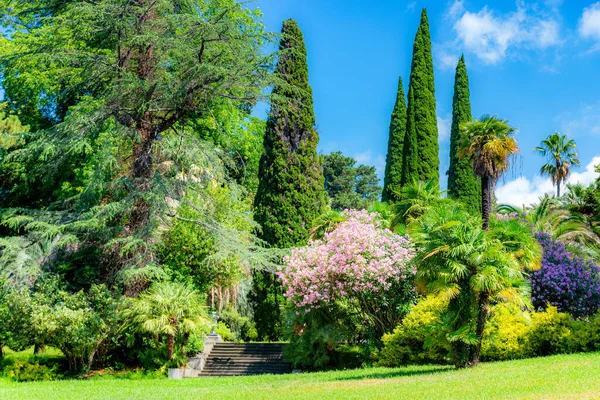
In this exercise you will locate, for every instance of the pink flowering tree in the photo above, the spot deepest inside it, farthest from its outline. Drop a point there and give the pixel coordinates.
(359, 267)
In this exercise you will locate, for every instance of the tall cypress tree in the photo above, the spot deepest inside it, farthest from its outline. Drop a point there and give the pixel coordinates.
(395, 153)
(421, 159)
(463, 185)
(291, 191)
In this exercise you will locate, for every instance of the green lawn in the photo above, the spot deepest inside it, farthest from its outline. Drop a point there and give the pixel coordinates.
(568, 376)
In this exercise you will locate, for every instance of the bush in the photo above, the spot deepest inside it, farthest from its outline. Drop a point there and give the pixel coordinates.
(224, 331)
(565, 281)
(413, 341)
(241, 327)
(505, 336)
(25, 371)
(549, 333)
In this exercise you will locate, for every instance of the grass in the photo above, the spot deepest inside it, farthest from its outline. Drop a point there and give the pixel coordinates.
(559, 377)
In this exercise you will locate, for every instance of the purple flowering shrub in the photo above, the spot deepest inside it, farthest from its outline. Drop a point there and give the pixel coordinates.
(566, 281)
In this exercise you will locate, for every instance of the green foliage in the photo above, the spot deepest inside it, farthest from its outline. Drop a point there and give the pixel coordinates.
(417, 339)
(24, 371)
(421, 160)
(242, 327)
(462, 183)
(167, 311)
(225, 332)
(291, 192)
(78, 324)
(392, 180)
(349, 187)
(121, 153)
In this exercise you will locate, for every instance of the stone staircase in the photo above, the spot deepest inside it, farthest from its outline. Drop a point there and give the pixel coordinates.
(229, 359)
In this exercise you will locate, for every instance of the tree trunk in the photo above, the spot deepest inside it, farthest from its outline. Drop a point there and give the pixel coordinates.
(487, 191)
(482, 313)
(1, 351)
(558, 189)
(170, 346)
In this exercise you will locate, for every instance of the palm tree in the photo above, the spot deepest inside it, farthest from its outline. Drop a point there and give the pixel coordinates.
(167, 308)
(470, 266)
(561, 156)
(414, 200)
(488, 143)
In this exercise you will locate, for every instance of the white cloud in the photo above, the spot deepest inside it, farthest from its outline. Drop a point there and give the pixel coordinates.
(411, 6)
(523, 191)
(376, 160)
(589, 23)
(584, 122)
(443, 125)
(492, 36)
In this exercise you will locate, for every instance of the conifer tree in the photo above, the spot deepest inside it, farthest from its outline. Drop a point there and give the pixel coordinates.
(393, 161)
(291, 191)
(421, 160)
(463, 185)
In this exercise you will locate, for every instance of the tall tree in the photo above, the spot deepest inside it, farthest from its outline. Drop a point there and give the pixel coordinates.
(421, 160)
(395, 154)
(561, 156)
(144, 70)
(462, 183)
(488, 144)
(291, 191)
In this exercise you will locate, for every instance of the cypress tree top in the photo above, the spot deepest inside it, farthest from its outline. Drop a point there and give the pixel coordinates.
(421, 159)
(462, 183)
(291, 191)
(393, 162)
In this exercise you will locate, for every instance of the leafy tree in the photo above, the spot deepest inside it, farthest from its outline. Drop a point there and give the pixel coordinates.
(392, 180)
(291, 192)
(349, 186)
(414, 200)
(488, 144)
(462, 183)
(421, 160)
(471, 266)
(146, 70)
(561, 156)
(168, 311)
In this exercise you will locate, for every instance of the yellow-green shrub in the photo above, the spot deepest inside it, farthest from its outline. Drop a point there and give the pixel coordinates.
(550, 332)
(414, 340)
(506, 332)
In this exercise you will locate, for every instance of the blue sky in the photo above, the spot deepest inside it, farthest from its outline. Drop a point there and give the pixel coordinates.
(534, 63)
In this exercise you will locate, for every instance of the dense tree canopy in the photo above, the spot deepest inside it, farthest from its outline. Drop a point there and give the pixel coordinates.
(349, 186)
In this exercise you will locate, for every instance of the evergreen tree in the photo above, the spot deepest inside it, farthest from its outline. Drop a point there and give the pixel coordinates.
(291, 191)
(393, 161)
(463, 185)
(421, 161)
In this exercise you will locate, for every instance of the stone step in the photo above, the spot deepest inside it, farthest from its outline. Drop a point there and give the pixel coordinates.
(230, 359)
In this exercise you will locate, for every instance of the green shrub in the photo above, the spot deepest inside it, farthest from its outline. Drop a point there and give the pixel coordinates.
(585, 336)
(225, 332)
(550, 333)
(242, 327)
(25, 371)
(414, 341)
(506, 333)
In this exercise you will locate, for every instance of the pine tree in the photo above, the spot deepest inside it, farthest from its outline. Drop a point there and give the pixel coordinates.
(393, 161)
(291, 191)
(463, 185)
(421, 160)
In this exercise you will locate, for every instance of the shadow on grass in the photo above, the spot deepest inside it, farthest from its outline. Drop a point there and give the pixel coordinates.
(394, 373)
